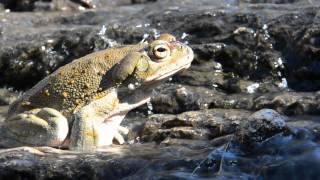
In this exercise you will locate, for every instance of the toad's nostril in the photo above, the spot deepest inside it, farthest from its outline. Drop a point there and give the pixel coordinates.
(172, 46)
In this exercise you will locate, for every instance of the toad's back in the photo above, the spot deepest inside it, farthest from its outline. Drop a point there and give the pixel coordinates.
(73, 85)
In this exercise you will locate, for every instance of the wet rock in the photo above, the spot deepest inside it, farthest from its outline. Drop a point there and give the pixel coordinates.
(260, 126)
(233, 47)
(235, 44)
(39, 5)
(62, 5)
(7, 96)
(36, 58)
(56, 5)
(88, 3)
(26, 60)
(262, 136)
(189, 157)
(19, 5)
(297, 43)
(112, 163)
(290, 103)
(142, 1)
(274, 1)
(280, 156)
(30, 5)
(201, 125)
(173, 98)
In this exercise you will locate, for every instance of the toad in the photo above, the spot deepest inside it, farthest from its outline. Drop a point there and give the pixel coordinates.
(80, 106)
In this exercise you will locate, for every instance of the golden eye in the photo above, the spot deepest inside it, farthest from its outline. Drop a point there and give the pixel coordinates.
(161, 51)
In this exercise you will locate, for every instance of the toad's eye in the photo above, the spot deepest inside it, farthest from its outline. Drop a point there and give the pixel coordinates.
(161, 51)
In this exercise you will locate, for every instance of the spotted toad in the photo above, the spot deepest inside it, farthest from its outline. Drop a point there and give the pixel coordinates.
(81, 105)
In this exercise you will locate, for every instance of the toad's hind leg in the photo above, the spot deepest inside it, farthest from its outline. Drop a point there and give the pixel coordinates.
(36, 127)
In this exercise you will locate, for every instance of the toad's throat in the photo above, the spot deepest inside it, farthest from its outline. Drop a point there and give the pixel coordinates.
(169, 73)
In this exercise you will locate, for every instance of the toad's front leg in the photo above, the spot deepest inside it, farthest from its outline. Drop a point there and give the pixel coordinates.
(94, 125)
(111, 130)
(98, 123)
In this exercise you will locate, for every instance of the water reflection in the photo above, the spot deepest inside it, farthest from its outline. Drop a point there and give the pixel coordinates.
(294, 156)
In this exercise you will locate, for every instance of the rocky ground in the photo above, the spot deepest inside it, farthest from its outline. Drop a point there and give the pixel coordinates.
(212, 120)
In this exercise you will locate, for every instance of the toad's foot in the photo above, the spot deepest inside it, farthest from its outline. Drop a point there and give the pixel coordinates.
(121, 131)
(110, 132)
(37, 127)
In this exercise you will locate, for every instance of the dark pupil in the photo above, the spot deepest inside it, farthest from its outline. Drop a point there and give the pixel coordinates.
(161, 49)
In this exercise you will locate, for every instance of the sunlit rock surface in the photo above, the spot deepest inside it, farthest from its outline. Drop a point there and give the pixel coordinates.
(247, 108)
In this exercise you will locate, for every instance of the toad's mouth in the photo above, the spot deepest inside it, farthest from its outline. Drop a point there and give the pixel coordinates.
(170, 73)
